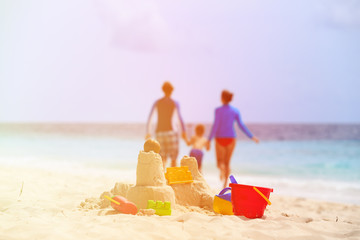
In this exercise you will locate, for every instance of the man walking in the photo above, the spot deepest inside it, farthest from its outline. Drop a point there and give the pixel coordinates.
(165, 134)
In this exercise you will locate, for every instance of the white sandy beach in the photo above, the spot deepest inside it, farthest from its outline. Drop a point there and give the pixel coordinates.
(48, 208)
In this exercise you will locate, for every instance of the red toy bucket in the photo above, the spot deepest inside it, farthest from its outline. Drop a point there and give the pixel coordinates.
(249, 201)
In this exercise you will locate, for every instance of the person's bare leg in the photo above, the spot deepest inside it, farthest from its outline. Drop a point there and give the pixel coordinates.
(199, 167)
(228, 153)
(219, 153)
(173, 162)
(163, 160)
(220, 158)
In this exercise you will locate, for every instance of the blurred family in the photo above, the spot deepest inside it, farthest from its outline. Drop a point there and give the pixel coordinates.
(222, 130)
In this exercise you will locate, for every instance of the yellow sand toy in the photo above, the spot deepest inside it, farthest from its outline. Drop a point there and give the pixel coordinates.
(161, 208)
(222, 202)
(176, 175)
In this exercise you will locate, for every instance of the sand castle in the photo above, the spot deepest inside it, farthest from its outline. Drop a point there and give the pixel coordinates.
(150, 179)
(152, 185)
(151, 182)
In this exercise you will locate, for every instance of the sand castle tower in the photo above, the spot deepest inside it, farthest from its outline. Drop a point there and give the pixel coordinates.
(150, 179)
(198, 193)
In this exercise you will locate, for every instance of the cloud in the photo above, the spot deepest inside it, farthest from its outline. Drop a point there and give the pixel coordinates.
(134, 25)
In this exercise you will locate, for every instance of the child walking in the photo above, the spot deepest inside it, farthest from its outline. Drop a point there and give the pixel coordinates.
(198, 142)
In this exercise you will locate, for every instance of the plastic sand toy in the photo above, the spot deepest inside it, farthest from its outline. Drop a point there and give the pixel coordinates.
(249, 201)
(244, 200)
(222, 202)
(176, 175)
(161, 208)
(122, 205)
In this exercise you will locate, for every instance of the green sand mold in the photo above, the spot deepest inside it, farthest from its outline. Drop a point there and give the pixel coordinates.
(161, 208)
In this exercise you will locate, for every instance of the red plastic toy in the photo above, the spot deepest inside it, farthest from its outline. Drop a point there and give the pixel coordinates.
(249, 201)
(122, 205)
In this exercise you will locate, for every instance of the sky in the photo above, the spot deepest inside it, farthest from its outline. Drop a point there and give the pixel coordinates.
(105, 61)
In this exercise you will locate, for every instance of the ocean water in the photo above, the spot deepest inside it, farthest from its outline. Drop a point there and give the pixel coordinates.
(315, 161)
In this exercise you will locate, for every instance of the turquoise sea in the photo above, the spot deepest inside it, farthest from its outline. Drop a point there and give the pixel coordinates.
(305, 160)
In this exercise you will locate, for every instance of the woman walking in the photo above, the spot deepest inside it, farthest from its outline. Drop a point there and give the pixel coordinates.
(224, 133)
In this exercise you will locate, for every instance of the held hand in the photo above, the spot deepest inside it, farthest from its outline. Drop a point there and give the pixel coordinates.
(147, 136)
(255, 139)
(207, 145)
(184, 136)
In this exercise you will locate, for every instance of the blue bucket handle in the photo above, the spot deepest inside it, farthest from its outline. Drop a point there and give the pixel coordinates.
(224, 190)
(232, 179)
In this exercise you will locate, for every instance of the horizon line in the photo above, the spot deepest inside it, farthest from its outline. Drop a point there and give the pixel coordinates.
(189, 123)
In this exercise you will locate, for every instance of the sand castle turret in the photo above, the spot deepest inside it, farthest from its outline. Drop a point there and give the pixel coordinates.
(198, 193)
(150, 179)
